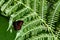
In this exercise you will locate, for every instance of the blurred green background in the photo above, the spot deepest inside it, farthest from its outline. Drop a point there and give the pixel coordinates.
(4, 34)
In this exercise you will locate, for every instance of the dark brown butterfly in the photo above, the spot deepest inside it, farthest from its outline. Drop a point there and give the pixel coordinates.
(17, 24)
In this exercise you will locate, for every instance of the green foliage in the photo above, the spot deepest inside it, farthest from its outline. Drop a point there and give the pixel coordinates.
(5, 35)
(40, 17)
(54, 14)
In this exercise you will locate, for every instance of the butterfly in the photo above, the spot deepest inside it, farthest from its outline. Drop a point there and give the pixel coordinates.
(17, 24)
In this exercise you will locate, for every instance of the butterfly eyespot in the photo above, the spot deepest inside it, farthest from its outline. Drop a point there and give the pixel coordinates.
(17, 24)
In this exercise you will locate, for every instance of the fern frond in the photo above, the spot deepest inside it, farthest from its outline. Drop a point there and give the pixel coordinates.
(42, 37)
(32, 30)
(5, 5)
(38, 6)
(53, 17)
(42, 9)
(12, 9)
(1, 2)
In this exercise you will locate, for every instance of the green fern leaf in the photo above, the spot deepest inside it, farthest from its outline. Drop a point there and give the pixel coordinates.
(1, 2)
(53, 17)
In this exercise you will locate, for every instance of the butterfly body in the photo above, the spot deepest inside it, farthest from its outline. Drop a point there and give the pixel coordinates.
(17, 24)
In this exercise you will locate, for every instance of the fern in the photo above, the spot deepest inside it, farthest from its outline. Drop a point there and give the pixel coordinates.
(53, 17)
(32, 32)
(1, 2)
(34, 13)
(42, 37)
(42, 9)
(5, 5)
